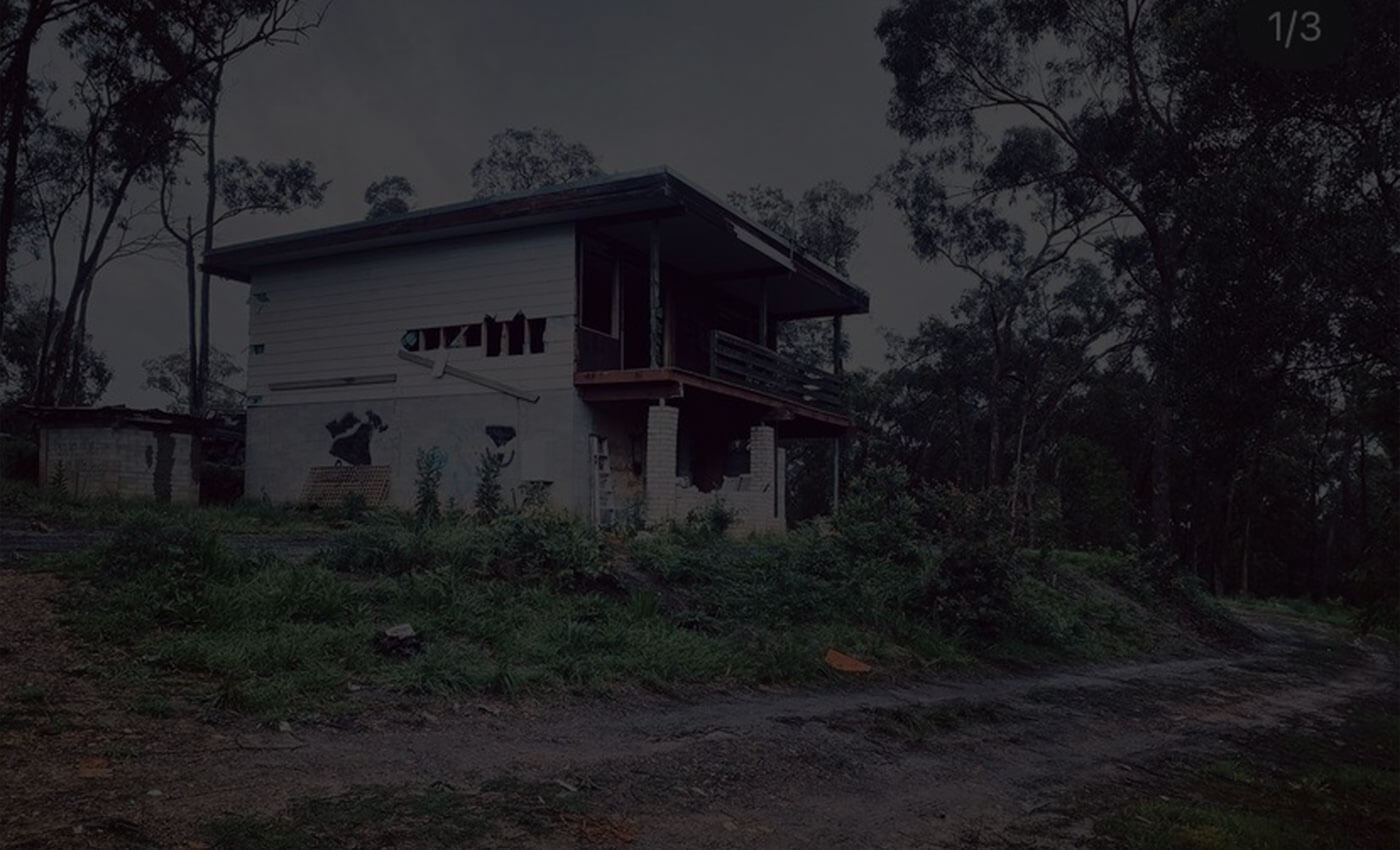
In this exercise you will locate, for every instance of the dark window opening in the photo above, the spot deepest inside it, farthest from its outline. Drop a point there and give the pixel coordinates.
(517, 335)
(432, 338)
(493, 337)
(597, 282)
(472, 335)
(257, 348)
(737, 461)
(452, 336)
(410, 341)
(536, 336)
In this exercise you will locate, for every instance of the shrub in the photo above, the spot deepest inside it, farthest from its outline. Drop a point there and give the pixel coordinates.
(430, 465)
(488, 501)
(968, 514)
(539, 544)
(971, 592)
(704, 524)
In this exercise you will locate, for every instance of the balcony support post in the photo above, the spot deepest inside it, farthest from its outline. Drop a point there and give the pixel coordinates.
(654, 294)
(835, 345)
(762, 314)
(836, 442)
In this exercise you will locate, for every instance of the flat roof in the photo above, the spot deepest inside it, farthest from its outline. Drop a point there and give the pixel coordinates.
(656, 192)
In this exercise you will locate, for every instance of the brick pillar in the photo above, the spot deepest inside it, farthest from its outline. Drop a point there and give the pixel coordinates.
(763, 455)
(661, 463)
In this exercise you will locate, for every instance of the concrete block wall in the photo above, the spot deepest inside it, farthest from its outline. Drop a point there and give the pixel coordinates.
(130, 462)
(752, 498)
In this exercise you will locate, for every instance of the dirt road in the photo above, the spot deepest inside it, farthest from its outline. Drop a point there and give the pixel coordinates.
(1011, 760)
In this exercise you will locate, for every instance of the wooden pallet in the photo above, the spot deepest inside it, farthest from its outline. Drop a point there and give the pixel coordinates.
(329, 485)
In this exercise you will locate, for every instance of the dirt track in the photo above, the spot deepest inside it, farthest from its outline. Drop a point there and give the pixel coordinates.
(998, 761)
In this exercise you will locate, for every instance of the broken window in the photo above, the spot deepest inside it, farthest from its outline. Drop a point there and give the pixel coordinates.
(517, 335)
(432, 338)
(597, 292)
(452, 336)
(472, 335)
(493, 337)
(536, 336)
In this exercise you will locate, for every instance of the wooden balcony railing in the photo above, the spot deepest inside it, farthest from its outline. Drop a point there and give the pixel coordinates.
(748, 364)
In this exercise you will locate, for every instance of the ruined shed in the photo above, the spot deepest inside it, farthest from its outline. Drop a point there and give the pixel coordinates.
(120, 451)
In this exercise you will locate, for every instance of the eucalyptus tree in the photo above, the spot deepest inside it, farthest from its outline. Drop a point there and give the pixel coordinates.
(517, 160)
(391, 195)
(221, 32)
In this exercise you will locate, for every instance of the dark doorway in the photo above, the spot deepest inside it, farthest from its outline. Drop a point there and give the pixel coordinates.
(636, 321)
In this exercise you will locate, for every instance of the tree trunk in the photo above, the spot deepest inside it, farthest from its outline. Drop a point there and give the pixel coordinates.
(1244, 559)
(73, 384)
(14, 99)
(199, 394)
(193, 322)
(41, 365)
(1160, 507)
(1217, 570)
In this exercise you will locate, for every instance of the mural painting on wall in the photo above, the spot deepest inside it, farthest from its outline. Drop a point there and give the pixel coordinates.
(500, 436)
(351, 437)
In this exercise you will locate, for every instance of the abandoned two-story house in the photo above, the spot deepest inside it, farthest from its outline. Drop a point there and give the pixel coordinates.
(611, 341)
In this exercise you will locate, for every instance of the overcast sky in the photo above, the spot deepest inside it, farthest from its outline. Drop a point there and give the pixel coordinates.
(731, 93)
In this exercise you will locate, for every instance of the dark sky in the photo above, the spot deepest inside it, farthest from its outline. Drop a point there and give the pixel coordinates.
(729, 93)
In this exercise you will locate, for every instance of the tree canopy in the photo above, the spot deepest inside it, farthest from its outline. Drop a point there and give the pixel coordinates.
(519, 160)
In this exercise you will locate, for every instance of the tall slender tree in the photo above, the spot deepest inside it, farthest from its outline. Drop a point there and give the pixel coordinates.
(231, 187)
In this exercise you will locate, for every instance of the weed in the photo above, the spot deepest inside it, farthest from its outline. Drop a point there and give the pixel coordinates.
(489, 502)
(430, 465)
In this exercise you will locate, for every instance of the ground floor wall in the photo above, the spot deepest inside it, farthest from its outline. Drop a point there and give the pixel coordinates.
(130, 462)
(544, 441)
(665, 462)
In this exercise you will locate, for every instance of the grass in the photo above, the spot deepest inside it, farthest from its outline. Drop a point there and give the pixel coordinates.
(434, 816)
(536, 601)
(1322, 790)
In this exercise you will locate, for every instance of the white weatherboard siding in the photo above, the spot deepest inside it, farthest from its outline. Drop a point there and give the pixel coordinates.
(343, 317)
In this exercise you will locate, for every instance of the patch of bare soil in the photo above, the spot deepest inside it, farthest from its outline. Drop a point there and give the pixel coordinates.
(999, 761)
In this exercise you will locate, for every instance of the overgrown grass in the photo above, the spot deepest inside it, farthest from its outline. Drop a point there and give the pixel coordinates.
(1302, 791)
(535, 600)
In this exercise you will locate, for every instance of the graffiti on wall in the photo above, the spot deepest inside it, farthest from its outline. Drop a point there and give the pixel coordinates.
(501, 436)
(351, 437)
